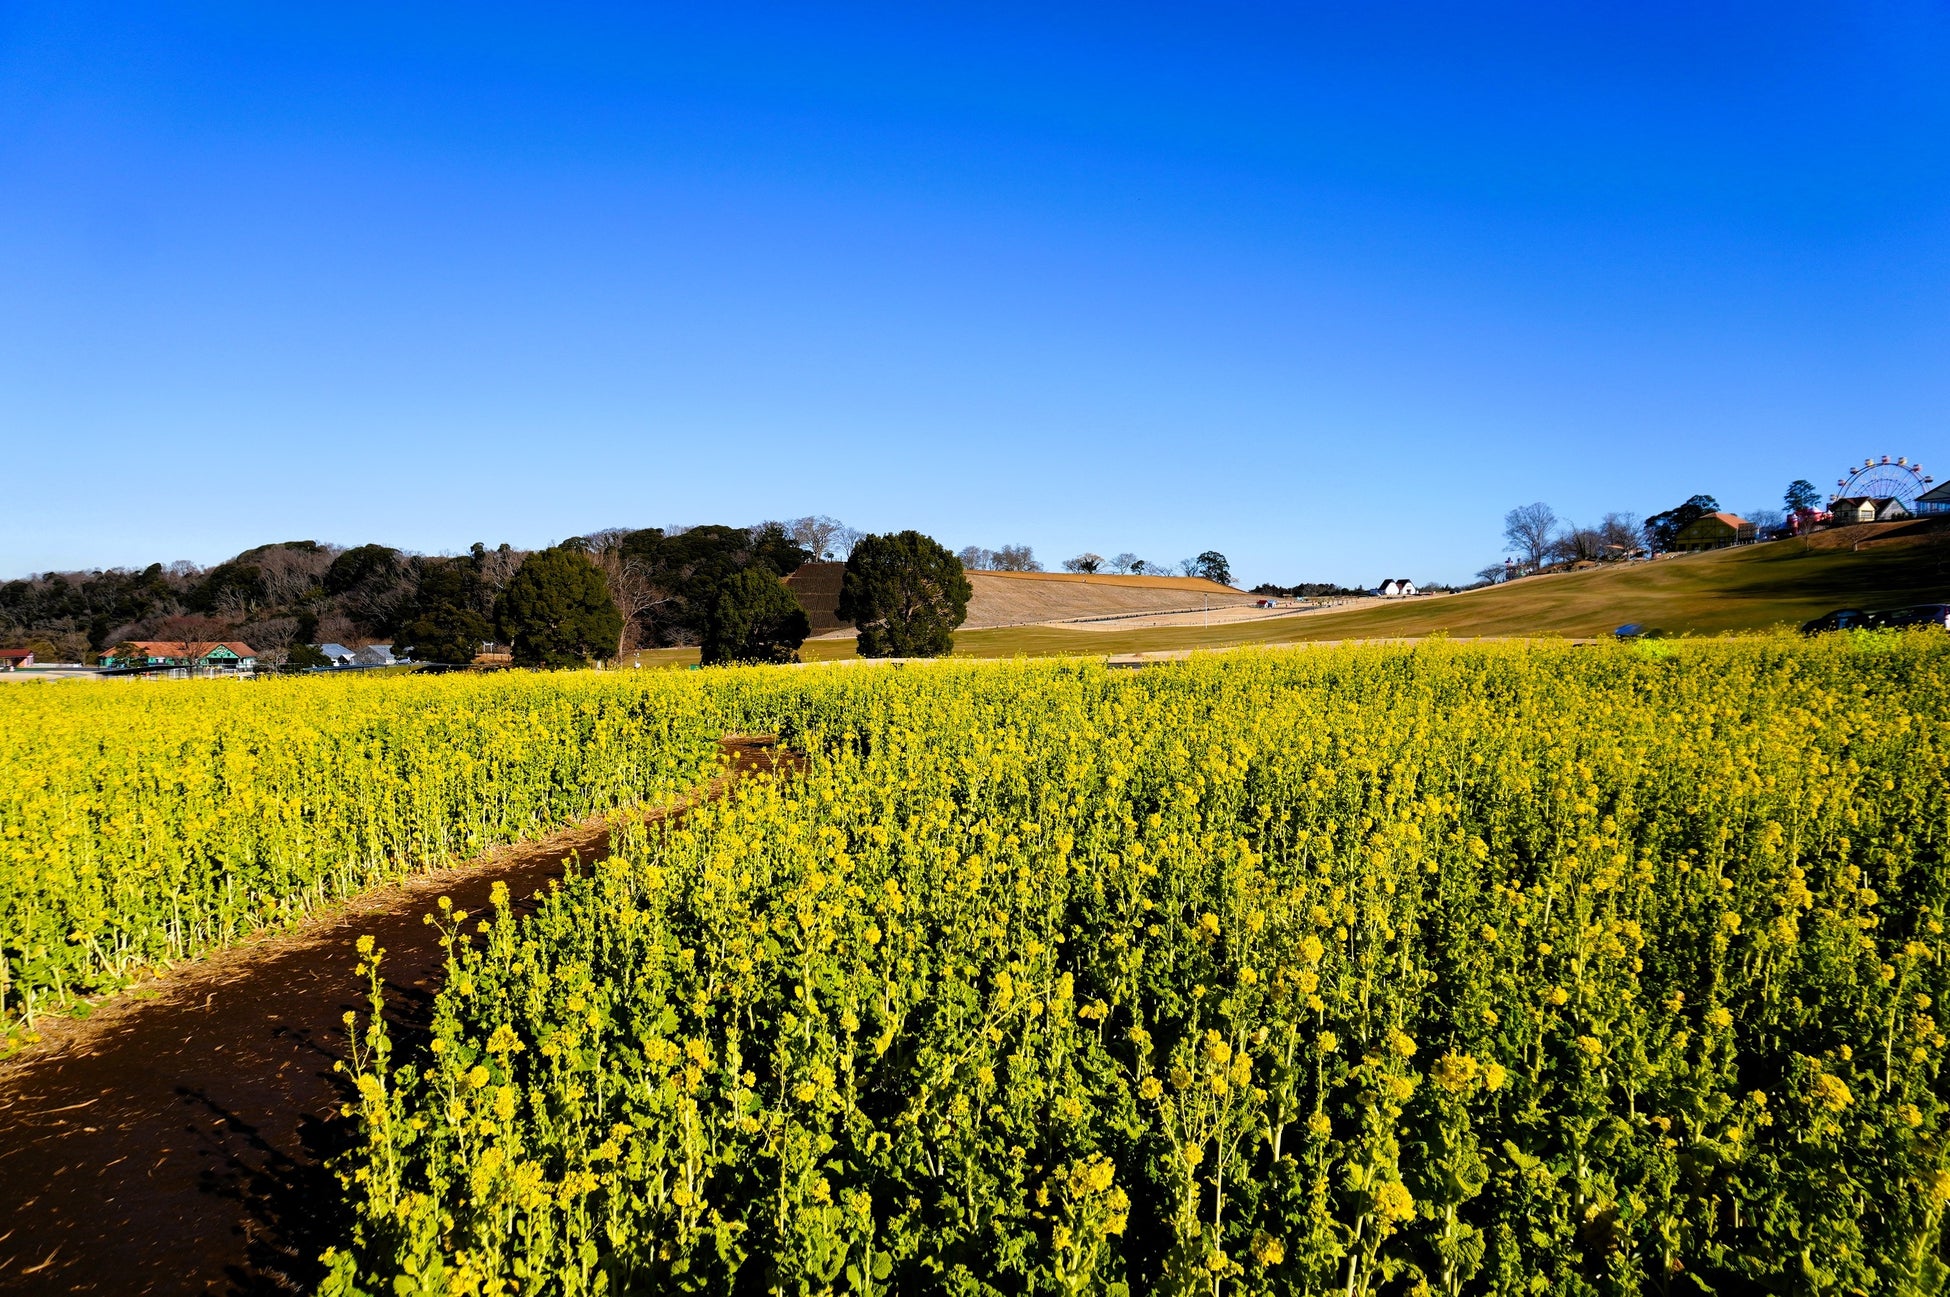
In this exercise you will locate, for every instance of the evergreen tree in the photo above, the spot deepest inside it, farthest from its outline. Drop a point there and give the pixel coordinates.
(687, 571)
(1212, 566)
(1662, 528)
(557, 612)
(446, 624)
(906, 593)
(755, 619)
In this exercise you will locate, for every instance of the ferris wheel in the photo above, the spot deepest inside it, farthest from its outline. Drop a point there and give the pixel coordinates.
(1882, 478)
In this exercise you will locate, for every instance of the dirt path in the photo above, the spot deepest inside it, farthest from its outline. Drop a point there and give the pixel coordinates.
(176, 1143)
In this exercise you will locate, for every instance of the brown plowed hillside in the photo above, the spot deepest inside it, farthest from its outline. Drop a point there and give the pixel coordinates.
(1026, 598)
(817, 588)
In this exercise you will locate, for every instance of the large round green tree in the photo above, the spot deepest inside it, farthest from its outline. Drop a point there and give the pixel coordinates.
(755, 619)
(906, 594)
(557, 610)
(447, 624)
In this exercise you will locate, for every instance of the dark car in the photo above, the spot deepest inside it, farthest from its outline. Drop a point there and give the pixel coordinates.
(1840, 619)
(1922, 614)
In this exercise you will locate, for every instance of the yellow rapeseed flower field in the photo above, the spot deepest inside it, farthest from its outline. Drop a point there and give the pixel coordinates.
(1485, 969)
(141, 824)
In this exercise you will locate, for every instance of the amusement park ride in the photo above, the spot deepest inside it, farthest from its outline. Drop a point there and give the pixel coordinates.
(1880, 479)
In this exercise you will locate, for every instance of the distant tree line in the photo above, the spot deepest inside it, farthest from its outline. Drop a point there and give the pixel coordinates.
(1009, 558)
(1306, 590)
(1539, 539)
(590, 597)
(1211, 565)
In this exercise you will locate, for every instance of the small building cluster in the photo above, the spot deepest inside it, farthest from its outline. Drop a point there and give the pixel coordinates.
(218, 656)
(372, 655)
(1863, 508)
(1397, 587)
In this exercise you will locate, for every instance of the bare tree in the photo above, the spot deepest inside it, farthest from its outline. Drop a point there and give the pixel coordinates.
(1084, 562)
(1126, 562)
(818, 535)
(271, 635)
(1530, 529)
(1017, 558)
(1492, 574)
(1575, 544)
(1622, 532)
(497, 567)
(843, 542)
(976, 559)
(630, 585)
(287, 574)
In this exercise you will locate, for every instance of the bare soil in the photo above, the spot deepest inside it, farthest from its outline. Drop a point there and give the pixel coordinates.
(177, 1140)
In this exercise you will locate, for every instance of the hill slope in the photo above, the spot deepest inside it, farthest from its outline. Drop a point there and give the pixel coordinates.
(1023, 598)
(1745, 588)
(1748, 588)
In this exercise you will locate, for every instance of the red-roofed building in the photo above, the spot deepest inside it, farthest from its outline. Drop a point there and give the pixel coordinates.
(225, 655)
(11, 658)
(1712, 530)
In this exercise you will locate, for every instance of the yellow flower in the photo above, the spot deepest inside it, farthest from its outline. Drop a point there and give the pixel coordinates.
(477, 1078)
(1150, 1088)
(1493, 1076)
(1454, 1072)
(1393, 1202)
(1831, 1093)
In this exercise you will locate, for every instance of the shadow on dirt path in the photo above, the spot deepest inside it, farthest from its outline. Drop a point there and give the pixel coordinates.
(178, 1145)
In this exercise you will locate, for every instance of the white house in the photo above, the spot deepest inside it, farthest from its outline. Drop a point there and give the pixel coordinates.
(1862, 508)
(1396, 588)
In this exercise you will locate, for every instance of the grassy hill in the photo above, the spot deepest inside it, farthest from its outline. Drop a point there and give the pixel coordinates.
(1751, 587)
(1746, 588)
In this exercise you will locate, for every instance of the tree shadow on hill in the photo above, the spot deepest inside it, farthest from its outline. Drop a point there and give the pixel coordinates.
(1915, 572)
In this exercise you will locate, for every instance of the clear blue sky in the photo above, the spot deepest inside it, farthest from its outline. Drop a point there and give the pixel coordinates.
(1327, 289)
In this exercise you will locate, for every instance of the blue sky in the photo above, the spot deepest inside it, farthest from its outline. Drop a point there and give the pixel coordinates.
(1327, 289)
